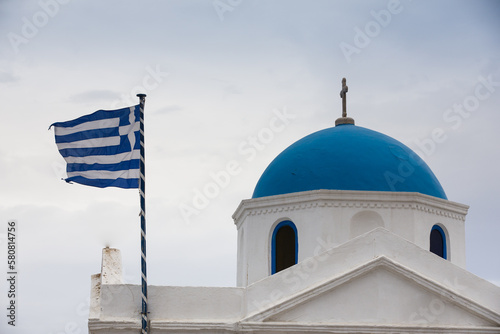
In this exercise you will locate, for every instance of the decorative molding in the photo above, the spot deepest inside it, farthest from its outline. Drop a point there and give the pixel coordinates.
(358, 329)
(96, 325)
(165, 326)
(179, 326)
(349, 199)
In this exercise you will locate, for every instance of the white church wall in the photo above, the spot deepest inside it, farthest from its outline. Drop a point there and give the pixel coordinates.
(452, 224)
(365, 221)
(122, 301)
(374, 280)
(328, 218)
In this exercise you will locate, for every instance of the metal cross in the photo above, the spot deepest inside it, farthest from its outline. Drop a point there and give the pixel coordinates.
(343, 93)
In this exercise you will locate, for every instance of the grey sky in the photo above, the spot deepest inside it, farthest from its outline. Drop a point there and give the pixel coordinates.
(215, 79)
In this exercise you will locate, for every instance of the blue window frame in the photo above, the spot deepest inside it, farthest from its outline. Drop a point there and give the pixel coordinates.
(284, 246)
(438, 241)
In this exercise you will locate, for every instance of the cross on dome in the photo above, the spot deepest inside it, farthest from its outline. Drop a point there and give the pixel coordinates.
(343, 94)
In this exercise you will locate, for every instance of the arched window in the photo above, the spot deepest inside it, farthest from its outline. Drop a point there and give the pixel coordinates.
(284, 246)
(438, 241)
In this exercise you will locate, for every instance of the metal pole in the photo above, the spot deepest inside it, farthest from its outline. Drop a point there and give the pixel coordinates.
(142, 192)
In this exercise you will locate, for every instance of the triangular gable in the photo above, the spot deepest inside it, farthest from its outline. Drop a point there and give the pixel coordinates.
(382, 295)
(379, 292)
(339, 264)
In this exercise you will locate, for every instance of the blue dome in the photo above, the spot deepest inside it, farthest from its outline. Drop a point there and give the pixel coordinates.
(348, 157)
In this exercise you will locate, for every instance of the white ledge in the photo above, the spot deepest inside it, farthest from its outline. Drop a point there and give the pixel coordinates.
(349, 198)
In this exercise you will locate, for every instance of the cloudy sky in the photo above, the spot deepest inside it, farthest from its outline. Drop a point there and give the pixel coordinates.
(216, 74)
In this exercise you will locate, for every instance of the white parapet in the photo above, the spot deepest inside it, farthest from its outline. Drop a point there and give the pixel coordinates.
(111, 266)
(95, 296)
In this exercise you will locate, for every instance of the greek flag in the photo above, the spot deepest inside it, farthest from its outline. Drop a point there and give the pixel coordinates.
(102, 149)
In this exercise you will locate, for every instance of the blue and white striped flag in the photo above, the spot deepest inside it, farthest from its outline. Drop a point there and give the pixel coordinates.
(102, 149)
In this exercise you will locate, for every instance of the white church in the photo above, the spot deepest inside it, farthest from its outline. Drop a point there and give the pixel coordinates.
(347, 231)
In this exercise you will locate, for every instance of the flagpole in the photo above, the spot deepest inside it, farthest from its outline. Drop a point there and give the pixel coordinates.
(142, 192)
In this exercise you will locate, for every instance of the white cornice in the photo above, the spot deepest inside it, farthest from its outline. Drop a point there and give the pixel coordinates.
(276, 327)
(347, 198)
(279, 327)
(284, 327)
(165, 326)
(98, 326)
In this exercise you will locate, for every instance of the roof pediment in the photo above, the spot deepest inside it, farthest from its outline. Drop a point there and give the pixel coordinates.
(380, 293)
(385, 286)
